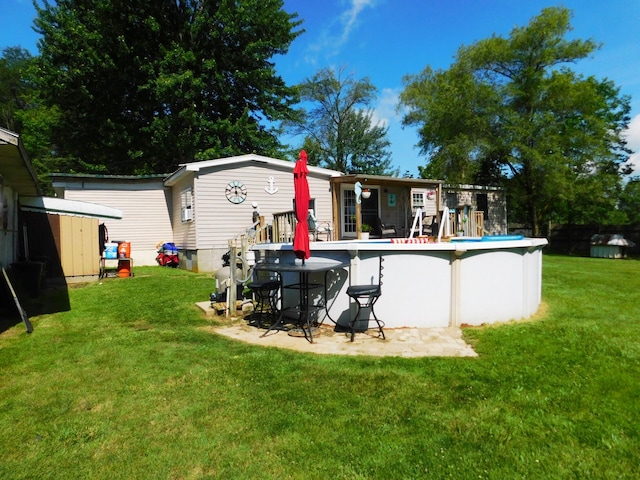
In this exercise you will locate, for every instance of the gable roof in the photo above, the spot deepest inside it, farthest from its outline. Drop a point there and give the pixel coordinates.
(15, 166)
(235, 161)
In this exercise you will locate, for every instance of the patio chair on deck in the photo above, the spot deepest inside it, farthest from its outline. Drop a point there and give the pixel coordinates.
(317, 228)
(385, 231)
(325, 229)
(365, 297)
(428, 225)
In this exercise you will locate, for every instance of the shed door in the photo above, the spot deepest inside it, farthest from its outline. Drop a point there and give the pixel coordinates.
(79, 249)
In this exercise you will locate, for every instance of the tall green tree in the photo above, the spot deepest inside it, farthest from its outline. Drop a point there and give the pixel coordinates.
(338, 126)
(143, 86)
(510, 112)
(14, 86)
(630, 201)
(22, 111)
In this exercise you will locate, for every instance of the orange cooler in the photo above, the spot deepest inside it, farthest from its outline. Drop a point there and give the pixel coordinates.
(124, 250)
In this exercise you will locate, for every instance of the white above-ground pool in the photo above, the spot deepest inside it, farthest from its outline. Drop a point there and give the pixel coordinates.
(456, 283)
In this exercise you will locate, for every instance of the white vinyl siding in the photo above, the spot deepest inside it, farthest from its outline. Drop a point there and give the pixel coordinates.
(184, 233)
(424, 198)
(145, 216)
(152, 215)
(219, 220)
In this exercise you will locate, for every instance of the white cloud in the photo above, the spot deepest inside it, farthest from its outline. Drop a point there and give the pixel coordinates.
(633, 142)
(334, 37)
(349, 18)
(633, 134)
(385, 111)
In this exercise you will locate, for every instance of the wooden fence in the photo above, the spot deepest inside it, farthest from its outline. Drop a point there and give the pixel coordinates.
(576, 239)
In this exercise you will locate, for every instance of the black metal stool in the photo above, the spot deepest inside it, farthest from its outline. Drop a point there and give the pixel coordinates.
(366, 296)
(266, 296)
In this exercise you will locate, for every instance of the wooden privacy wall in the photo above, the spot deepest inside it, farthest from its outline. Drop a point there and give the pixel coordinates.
(79, 250)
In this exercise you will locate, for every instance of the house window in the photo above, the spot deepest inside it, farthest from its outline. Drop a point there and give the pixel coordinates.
(312, 205)
(425, 199)
(186, 205)
(417, 199)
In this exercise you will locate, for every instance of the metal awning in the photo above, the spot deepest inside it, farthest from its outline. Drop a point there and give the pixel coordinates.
(60, 206)
(15, 168)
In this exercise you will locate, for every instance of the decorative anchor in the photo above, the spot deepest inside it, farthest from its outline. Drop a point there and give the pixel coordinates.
(271, 188)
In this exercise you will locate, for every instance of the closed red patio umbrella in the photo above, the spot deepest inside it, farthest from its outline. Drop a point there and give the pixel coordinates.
(301, 190)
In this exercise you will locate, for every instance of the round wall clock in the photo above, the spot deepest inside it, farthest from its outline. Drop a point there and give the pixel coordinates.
(236, 192)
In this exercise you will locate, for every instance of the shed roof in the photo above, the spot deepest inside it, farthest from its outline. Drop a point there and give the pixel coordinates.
(60, 206)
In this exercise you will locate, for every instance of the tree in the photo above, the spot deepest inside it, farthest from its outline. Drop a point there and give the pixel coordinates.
(630, 201)
(453, 112)
(143, 86)
(510, 112)
(13, 86)
(339, 129)
(21, 110)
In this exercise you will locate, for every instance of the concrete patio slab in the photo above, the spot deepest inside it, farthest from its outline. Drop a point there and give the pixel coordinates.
(401, 342)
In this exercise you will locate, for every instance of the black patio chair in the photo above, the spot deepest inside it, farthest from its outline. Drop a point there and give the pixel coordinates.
(365, 297)
(265, 292)
(385, 231)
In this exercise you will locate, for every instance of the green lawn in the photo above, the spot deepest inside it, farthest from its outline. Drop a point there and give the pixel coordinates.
(126, 385)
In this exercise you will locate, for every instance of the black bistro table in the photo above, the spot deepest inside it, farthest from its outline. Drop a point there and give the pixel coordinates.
(305, 307)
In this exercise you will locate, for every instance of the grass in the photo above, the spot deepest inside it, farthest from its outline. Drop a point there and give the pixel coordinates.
(126, 385)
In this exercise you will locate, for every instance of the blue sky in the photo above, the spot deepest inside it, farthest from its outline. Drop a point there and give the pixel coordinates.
(387, 39)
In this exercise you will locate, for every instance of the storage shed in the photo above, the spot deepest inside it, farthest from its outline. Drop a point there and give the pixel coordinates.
(71, 247)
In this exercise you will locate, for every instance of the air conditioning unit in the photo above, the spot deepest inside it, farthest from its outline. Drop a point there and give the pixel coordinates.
(187, 214)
